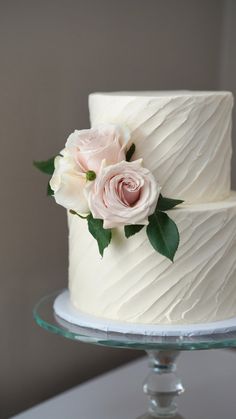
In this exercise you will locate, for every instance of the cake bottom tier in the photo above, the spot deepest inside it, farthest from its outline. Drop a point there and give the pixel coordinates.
(134, 283)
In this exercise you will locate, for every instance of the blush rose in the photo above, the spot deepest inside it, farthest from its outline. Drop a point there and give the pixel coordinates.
(124, 193)
(90, 147)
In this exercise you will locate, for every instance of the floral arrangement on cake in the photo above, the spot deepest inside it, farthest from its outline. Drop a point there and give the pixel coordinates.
(96, 178)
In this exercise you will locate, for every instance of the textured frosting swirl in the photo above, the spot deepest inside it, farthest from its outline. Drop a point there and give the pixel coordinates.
(184, 137)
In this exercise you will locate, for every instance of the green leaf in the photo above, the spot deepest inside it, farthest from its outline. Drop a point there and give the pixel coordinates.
(46, 166)
(50, 192)
(102, 235)
(165, 204)
(163, 234)
(130, 230)
(130, 152)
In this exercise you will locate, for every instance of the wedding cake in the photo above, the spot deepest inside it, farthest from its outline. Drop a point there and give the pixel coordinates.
(184, 138)
(155, 165)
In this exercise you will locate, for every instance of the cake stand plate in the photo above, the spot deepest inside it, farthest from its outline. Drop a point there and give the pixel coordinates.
(66, 311)
(162, 344)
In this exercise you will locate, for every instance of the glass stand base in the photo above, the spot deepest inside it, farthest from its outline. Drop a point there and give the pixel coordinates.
(162, 385)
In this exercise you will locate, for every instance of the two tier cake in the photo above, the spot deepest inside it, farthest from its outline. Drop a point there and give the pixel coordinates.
(184, 138)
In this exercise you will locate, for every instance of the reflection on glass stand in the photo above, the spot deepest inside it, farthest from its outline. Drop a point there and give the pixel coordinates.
(162, 385)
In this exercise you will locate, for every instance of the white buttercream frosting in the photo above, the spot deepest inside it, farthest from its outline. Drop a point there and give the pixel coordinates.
(134, 283)
(183, 137)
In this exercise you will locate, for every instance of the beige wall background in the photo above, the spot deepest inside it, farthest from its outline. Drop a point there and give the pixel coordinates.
(53, 54)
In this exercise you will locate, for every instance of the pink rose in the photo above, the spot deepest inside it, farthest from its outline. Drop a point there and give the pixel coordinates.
(124, 193)
(90, 146)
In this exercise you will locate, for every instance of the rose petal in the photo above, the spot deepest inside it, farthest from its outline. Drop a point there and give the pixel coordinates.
(68, 185)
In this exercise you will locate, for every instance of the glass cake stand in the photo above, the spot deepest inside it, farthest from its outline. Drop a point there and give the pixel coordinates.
(162, 384)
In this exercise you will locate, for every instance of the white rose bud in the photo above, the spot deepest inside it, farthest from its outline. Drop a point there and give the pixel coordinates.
(69, 184)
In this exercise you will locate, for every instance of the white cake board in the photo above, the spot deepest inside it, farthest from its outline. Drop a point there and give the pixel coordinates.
(65, 310)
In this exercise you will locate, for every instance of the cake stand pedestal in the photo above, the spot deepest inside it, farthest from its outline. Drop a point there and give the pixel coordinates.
(162, 385)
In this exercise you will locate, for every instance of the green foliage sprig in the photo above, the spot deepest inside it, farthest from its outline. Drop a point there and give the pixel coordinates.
(47, 167)
(161, 230)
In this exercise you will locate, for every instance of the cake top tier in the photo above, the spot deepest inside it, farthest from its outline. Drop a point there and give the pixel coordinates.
(184, 137)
